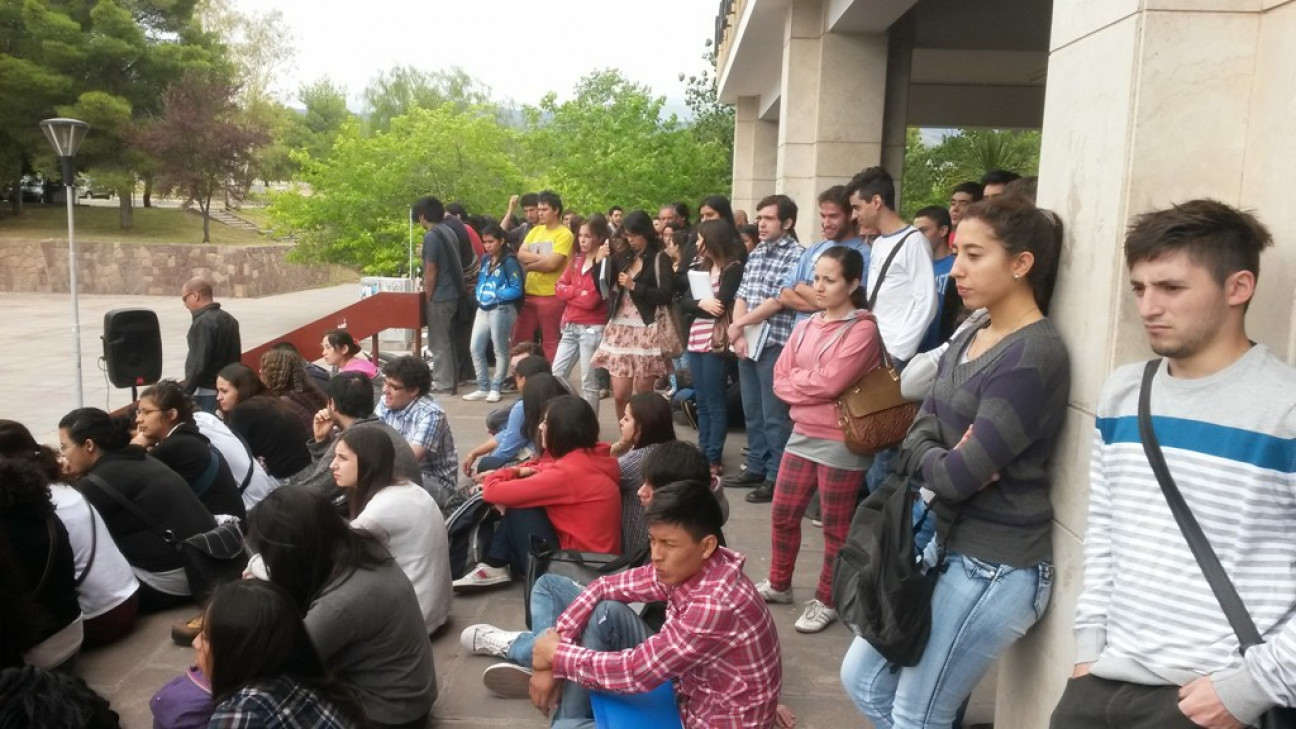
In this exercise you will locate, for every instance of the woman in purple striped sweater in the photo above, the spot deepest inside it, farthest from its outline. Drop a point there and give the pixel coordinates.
(981, 447)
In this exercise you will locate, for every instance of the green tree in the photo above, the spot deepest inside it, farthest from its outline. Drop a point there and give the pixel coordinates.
(931, 170)
(405, 88)
(357, 210)
(610, 145)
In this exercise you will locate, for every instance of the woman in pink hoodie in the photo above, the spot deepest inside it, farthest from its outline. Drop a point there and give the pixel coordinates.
(586, 311)
(825, 354)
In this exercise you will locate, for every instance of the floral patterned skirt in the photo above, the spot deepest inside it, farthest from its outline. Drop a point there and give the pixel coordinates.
(631, 348)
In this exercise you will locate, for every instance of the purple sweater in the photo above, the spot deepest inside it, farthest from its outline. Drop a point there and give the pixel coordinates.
(1014, 396)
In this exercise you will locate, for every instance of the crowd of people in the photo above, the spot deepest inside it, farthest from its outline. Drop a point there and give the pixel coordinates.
(353, 499)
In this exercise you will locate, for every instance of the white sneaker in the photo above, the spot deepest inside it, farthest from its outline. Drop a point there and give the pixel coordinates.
(477, 395)
(508, 681)
(487, 640)
(769, 594)
(493, 396)
(816, 617)
(483, 575)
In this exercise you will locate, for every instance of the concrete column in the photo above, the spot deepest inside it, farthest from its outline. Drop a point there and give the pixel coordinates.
(1147, 103)
(755, 152)
(895, 121)
(831, 107)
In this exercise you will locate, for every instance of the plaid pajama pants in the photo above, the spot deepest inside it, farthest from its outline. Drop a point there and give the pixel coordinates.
(838, 495)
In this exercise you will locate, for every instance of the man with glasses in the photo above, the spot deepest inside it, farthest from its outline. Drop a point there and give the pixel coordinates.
(213, 342)
(408, 408)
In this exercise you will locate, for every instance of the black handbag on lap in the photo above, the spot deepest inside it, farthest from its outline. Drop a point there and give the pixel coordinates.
(210, 558)
(1226, 593)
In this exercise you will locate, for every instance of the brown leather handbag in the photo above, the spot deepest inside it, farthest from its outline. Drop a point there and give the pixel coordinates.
(872, 413)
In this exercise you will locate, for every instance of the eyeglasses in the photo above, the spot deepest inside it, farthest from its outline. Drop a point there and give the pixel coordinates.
(393, 386)
(147, 411)
(185, 297)
(65, 447)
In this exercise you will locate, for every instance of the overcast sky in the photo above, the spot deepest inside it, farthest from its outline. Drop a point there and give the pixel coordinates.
(520, 49)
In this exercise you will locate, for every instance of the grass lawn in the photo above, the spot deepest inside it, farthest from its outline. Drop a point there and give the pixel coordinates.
(152, 225)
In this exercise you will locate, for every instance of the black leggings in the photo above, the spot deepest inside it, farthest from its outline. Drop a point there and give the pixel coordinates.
(511, 543)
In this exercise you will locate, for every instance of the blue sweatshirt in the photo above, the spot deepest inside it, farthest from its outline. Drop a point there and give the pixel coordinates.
(499, 283)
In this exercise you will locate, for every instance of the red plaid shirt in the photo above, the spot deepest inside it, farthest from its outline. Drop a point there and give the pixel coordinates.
(719, 641)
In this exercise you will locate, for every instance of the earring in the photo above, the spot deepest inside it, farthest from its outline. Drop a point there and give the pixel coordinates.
(1016, 276)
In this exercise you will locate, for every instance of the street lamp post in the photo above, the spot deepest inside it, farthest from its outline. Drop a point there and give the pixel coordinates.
(65, 135)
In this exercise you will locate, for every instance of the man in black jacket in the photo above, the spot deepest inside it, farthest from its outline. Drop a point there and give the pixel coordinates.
(213, 342)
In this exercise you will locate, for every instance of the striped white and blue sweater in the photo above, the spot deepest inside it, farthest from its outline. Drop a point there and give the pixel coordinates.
(1146, 614)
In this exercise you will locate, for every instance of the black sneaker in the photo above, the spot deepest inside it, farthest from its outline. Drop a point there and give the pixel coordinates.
(762, 494)
(744, 480)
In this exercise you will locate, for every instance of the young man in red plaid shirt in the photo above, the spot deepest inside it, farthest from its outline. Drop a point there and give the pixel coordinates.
(718, 644)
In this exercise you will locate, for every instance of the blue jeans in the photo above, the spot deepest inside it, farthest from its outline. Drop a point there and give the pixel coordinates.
(709, 391)
(511, 542)
(493, 327)
(978, 610)
(768, 424)
(613, 626)
(582, 339)
(206, 403)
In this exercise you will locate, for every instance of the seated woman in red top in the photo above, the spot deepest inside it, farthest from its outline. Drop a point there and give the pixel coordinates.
(570, 496)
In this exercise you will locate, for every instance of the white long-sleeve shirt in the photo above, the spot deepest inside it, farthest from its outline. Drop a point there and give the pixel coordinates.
(906, 302)
(1146, 614)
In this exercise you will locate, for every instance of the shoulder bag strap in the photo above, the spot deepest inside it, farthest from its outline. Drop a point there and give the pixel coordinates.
(94, 544)
(251, 462)
(1219, 581)
(49, 555)
(208, 476)
(886, 265)
(167, 535)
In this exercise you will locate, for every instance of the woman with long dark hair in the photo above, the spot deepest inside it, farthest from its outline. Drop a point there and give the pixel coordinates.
(717, 207)
(640, 281)
(824, 355)
(720, 258)
(586, 312)
(981, 445)
(264, 670)
(270, 429)
(402, 515)
(43, 554)
(568, 497)
(164, 424)
(499, 296)
(284, 373)
(516, 441)
(361, 612)
(341, 352)
(110, 469)
(107, 589)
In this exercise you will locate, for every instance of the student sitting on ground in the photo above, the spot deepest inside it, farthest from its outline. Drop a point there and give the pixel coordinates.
(515, 440)
(718, 645)
(399, 514)
(568, 497)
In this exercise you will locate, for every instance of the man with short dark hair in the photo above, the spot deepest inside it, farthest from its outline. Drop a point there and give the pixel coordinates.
(934, 223)
(1153, 646)
(350, 405)
(213, 340)
(838, 230)
(407, 407)
(961, 198)
(615, 215)
(443, 284)
(718, 644)
(543, 255)
(471, 251)
(517, 231)
(755, 305)
(994, 182)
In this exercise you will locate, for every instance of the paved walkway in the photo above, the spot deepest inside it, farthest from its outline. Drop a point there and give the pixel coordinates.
(36, 382)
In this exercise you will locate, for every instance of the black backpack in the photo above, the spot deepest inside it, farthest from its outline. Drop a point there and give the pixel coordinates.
(881, 589)
(469, 529)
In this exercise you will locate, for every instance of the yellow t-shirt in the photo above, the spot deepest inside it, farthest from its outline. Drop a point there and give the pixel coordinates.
(543, 240)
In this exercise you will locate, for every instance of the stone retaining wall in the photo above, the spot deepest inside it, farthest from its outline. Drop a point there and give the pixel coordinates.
(159, 269)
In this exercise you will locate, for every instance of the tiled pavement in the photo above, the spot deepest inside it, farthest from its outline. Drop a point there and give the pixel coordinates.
(36, 388)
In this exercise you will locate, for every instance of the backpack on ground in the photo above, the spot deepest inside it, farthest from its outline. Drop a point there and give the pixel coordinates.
(470, 529)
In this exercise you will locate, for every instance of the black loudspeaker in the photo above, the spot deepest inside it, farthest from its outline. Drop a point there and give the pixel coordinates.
(132, 347)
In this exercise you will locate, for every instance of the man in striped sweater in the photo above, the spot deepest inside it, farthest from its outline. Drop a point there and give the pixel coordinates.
(1154, 648)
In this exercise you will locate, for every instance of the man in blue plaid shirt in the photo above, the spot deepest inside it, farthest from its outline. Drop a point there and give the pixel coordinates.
(757, 301)
(408, 407)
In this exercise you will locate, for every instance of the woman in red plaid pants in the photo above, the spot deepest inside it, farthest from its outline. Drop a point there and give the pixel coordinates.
(825, 354)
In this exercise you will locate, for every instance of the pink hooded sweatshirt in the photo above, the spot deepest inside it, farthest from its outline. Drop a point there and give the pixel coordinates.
(822, 358)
